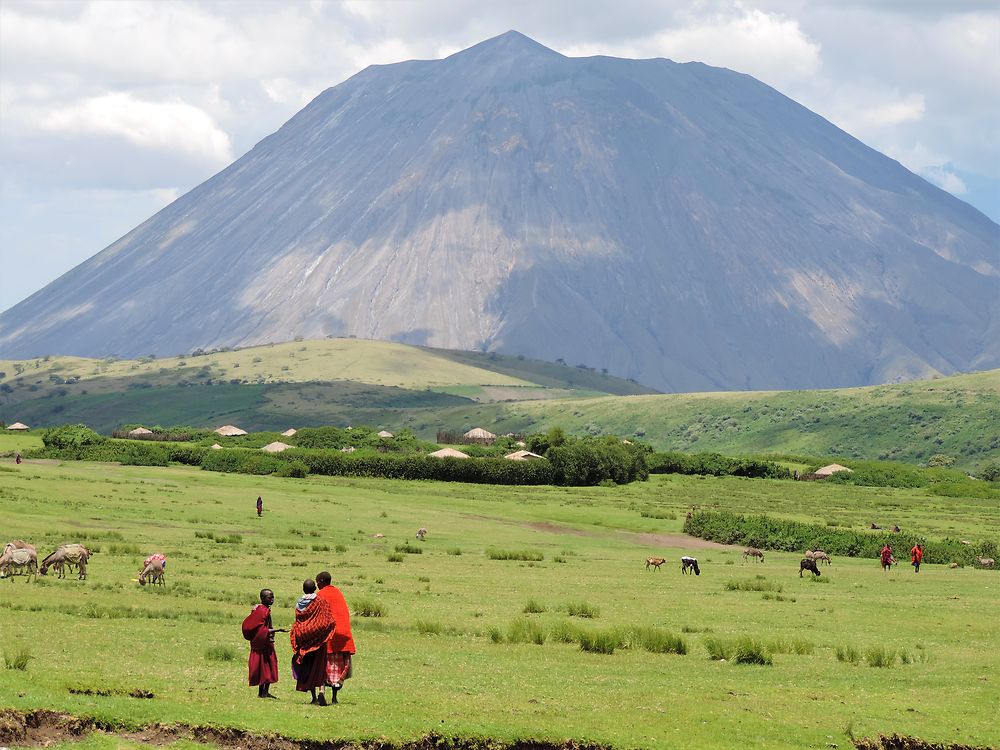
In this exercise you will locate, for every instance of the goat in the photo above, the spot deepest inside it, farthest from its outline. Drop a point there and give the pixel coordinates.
(807, 564)
(421, 533)
(754, 553)
(656, 562)
(690, 563)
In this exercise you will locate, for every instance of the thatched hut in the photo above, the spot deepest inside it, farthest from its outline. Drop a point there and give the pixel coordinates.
(229, 431)
(19, 426)
(216, 447)
(522, 456)
(385, 434)
(276, 447)
(139, 432)
(831, 469)
(480, 436)
(290, 432)
(448, 453)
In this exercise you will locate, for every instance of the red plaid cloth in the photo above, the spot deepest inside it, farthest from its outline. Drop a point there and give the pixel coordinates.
(312, 628)
(338, 667)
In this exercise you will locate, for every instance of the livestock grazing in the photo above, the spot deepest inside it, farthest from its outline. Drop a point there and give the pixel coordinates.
(67, 554)
(807, 564)
(19, 561)
(876, 526)
(753, 552)
(421, 533)
(153, 572)
(818, 555)
(378, 536)
(690, 564)
(896, 530)
(985, 562)
(655, 562)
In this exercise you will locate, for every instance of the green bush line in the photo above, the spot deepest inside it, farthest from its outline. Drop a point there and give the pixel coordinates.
(777, 534)
(575, 463)
(714, 464)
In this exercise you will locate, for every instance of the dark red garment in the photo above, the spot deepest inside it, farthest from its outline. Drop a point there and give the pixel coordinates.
(313, 627)
(917, 555)
(341, 641)
(263, 662)
(886, 555)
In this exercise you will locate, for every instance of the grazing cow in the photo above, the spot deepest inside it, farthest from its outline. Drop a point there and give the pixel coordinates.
(655, 562)
(421, 533)
(986, 562)
(754, 553)
(689, 564)
(807, 564)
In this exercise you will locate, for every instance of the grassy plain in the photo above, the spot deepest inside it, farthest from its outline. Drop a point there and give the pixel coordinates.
(430, 662)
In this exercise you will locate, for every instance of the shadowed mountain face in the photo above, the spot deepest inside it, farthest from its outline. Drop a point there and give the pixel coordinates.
(682, 225)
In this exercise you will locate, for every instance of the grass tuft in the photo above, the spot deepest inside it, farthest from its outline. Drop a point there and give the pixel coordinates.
(523, 554)
(221, 653)
(599, 641)
(17, 659)
(880, 657)
(533, 607)
(368, 608)
(582, 609)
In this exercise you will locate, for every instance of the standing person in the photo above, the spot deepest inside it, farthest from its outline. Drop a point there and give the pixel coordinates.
(260, 506)
(916, 557)
(886, 556)
(313, 626)
(340, 646)
(17, 457)
(263, 662)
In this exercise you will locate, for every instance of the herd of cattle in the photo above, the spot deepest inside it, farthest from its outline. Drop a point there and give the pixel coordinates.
(21, 558)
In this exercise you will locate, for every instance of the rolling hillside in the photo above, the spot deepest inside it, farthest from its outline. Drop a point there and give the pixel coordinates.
(348, 381)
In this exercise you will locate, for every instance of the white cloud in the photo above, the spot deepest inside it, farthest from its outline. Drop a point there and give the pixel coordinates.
(165, 126)
(768, 46)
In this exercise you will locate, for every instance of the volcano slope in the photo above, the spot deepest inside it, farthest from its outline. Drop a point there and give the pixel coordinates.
(682, 225)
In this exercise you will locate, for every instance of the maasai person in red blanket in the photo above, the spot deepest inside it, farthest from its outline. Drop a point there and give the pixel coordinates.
(916, 557)
(886, 556)
(340, 645)
(260, 505)
(263, 662)
(313, 625)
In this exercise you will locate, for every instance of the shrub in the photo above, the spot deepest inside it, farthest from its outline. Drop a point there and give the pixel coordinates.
(879, 656)
(71, 436)
(409, 549)
(525, 631)
(533, 607)
(589, 461)
(428, 627)
(582, 609)
(658, 641)
(599, 641)
(524, 554)
(749, 651)
(757, 584)
(718, 649)
(221, 653)
(455, 551)
(394, 557)
(714, 464)
(17, 659)
(848, 654)
(293, 469)
(990, 472)
(793, 536)
(565, 632)
(230, 539)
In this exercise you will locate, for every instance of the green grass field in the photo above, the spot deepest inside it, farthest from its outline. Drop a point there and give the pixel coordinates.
(440, 660)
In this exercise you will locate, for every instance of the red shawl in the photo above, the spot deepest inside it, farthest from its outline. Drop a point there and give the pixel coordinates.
(255, 628)
(312, 628)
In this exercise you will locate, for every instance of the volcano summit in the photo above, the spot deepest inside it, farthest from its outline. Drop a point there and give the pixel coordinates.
(683, 225)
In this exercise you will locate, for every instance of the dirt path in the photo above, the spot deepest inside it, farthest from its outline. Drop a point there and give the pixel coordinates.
(638, 538)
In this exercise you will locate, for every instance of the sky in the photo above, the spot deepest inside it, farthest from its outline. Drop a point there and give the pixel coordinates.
(111, 110)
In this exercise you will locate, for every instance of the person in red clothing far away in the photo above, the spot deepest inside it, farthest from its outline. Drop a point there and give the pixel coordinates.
(916, 557)
(260, 505)
(340, 646)
(886, 557)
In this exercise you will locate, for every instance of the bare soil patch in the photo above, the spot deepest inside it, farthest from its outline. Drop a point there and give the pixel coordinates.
(40, 728)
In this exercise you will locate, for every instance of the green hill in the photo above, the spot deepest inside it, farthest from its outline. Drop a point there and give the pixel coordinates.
(348, 381)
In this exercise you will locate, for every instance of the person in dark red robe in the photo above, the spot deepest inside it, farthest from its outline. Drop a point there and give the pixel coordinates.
(340, 645)
(263, 661)
(313, 625)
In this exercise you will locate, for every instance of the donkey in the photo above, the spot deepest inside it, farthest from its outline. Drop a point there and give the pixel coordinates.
(154, 572)
(753, 552)
(807, 564)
